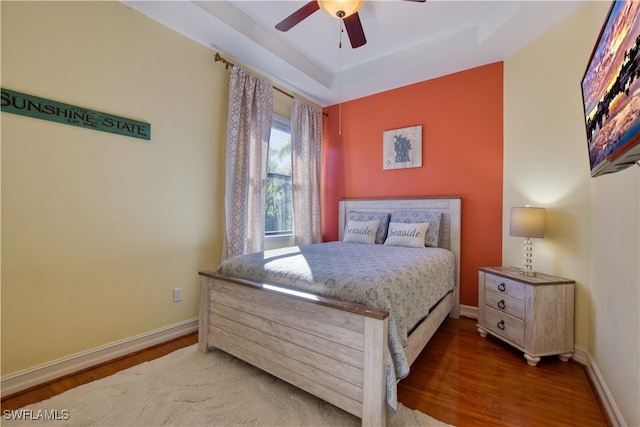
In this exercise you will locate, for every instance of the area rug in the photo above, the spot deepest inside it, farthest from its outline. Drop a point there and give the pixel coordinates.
(190, 388)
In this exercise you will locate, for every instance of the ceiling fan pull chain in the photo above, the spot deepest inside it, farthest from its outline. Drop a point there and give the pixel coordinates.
(340, 77)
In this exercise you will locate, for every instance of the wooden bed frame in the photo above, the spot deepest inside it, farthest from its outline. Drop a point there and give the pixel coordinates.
(334, 350)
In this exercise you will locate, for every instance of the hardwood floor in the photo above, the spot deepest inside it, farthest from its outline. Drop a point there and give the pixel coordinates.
(459, 378)
(465, 380)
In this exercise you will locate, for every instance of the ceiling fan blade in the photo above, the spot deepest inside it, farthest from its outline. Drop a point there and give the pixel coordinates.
(417, 1)
(298, 16)
(354, 29)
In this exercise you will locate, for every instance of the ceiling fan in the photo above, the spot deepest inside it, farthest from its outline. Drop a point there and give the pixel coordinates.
(347, 10)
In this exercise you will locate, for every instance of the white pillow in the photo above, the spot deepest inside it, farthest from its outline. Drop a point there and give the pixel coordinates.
(407, 234)
(361, 232)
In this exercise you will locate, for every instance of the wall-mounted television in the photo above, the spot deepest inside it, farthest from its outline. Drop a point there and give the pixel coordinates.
(611, 91)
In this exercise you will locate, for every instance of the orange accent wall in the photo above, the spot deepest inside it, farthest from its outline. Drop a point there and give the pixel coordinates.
(461, 116)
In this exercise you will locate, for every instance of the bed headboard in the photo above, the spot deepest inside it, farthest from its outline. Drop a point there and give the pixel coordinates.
(449, 226)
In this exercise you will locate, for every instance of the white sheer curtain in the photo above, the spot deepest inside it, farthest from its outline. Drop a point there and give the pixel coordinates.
(306, 145)
(248, 129)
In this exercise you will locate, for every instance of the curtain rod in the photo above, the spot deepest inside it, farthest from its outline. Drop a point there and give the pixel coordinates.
(228, 64)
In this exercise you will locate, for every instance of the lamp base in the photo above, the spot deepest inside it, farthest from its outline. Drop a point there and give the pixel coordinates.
(528, 273)
(528, 255)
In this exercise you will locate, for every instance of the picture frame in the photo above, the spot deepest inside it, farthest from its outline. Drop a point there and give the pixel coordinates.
(402, 148)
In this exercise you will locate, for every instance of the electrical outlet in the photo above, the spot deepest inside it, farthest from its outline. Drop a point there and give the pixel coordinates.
(177, 294)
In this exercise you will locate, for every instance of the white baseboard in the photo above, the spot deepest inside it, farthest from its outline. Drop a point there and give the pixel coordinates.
(610, 407)
(580, 355)
(469, 311)
(22, 380)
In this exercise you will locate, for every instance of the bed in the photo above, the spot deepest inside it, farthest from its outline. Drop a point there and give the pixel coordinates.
(345, 350)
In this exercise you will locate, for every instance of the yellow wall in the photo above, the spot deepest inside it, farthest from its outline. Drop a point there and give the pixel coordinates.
(97, 228)
(545, 154)
(592, 223)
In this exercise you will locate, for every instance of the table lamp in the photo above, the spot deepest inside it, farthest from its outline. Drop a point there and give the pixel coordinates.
(527, 222)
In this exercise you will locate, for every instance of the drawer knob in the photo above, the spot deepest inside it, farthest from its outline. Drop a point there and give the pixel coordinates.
(501, 325)
(502, 287)
(501, 304)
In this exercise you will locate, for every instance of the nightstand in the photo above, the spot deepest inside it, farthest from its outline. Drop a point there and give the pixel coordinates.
(532, 313)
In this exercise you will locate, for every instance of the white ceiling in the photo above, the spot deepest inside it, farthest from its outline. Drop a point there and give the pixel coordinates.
(407, 42)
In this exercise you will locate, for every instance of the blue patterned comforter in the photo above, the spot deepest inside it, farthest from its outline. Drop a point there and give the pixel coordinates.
(405, 281)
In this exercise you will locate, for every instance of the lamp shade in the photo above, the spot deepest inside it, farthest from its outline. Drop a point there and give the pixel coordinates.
(340, 8)
(527, 222)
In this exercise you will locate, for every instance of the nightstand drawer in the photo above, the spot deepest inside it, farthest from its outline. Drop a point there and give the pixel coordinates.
(505, 286)
(504, 325)
(502, 301)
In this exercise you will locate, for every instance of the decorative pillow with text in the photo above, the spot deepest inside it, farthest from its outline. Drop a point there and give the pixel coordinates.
(407, 234)
(433, 218)
(383, 219)
(361, 232)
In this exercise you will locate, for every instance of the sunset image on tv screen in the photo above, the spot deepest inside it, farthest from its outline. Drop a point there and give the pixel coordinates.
(611, 87)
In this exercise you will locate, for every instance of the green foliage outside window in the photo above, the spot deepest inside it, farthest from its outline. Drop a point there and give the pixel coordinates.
(278, 200)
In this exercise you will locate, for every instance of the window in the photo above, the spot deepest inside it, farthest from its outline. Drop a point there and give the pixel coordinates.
(278, 216)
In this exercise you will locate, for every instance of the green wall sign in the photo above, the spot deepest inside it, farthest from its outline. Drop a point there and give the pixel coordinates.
(40, 108)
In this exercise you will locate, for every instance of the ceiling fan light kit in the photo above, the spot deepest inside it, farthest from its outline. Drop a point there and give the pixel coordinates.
(340, 8)
(346, 10)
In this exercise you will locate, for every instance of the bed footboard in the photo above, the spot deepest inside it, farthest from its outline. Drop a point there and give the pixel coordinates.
(331, 349)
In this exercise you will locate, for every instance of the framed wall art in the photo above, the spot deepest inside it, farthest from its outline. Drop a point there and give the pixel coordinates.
(402, 148)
